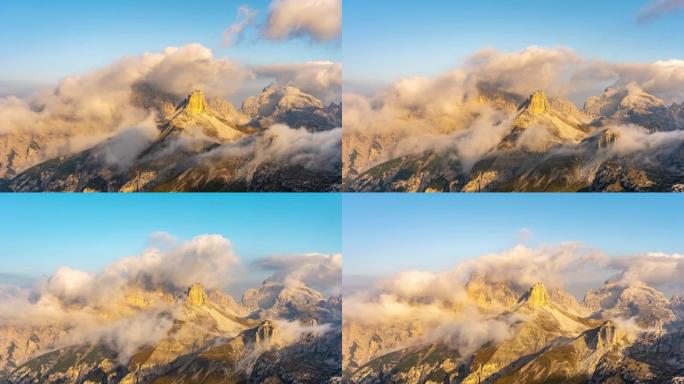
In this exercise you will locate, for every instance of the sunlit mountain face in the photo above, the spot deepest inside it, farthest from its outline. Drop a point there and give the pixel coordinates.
(250, 101)
(507, 318)
(503, 124)
(162, 316)
(200, 145)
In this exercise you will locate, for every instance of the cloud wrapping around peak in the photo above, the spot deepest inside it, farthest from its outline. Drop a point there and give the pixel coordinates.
(320, 20)
(321, 79)
(322, 272)
(655, 269)
(467, 112)
(449, 305)
(99, 103)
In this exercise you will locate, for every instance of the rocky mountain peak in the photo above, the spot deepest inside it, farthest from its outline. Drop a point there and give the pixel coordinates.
(537, 103)
(196, 295)
(195, 103)
(538, 296)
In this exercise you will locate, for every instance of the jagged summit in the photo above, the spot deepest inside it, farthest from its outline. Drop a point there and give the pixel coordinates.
(537, 296)
(536, 104)
(195, 103)
(196, 296)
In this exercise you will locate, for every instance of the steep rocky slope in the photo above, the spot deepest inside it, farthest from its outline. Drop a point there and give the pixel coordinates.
(547, 145)
(548, 340)
(200, 146)
(211, 338)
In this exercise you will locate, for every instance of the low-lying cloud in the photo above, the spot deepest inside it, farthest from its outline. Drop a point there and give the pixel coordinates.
(283, 146)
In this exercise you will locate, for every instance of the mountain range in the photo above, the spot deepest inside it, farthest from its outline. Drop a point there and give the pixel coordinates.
(618, 334)
(623, 140)
(198, 145)
(276, 334)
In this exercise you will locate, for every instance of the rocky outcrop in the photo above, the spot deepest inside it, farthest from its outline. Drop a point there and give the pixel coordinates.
(537, 104)
(537, 296)
(196, 295)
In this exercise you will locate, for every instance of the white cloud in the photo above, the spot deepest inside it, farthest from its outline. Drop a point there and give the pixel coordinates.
(657, 269)
(320, 271)
(101, 100)
(445, 113)
(322, 79)
(320, 20)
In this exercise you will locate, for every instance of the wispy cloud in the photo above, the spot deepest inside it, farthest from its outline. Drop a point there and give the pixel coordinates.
(658, 8)
(234, 34)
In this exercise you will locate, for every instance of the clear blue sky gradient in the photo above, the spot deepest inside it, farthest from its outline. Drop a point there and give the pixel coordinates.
(387, 233)
(385, 40)
(41, 232)
(43, 41)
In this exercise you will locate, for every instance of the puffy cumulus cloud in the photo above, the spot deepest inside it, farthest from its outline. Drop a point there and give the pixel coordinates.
(320, 271)
(320, 20)
(84, 110)
(657, 269)
(194, 66)
(321, 79)
(246, 16)
(94, 306)
(525, 71)
(208, 259)
(657, 8)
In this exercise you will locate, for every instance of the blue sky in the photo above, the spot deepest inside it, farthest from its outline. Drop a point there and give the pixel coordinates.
(387, 233)
(43, 41)
(385, 40)
(41, 232)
